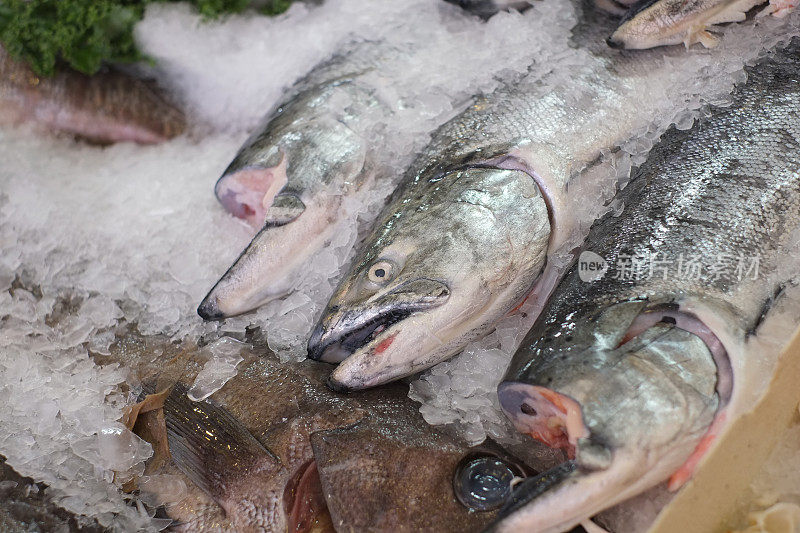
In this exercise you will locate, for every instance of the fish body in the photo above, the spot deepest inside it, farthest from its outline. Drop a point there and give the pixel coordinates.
(665, 22)
(289, 179)
(550, 133)
(296, 456)
(635, 375)
(107, 107)
(482, 242)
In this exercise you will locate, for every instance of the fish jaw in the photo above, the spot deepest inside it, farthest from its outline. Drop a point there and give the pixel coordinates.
(398, 352)
(422, 339)
(267, 268)
(575, 495)
(389, 323)
(670, 22)
(630, 416)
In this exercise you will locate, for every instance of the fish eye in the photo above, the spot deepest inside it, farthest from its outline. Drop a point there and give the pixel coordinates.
(484, 483)
(380, 272)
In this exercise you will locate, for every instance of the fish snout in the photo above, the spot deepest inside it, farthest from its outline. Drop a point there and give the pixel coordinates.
(345, 330)
(615, 43)
(336, 386)
(209, 309)
(314, 342)
(316, 346)
(324, 344)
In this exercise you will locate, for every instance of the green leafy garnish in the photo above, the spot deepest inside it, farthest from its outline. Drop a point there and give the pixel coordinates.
(85, 34)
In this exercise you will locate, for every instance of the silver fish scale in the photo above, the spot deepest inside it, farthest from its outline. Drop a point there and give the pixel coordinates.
(512, 116)
(567, 122)
(565, 130)
(730, 184)
(322, 115)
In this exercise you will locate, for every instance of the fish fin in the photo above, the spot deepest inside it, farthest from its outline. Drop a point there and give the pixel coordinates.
(285, 208)
(702, 36)
(206, 442)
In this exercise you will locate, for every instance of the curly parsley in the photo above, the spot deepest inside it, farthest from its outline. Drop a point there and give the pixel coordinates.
(85, 34)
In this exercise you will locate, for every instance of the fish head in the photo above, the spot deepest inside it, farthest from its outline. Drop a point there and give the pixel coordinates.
(437, 272)
(392, 471)
(628, 412)
(292, 154)
(289, 183)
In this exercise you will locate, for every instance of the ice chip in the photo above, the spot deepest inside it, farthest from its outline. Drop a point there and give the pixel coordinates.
(113, 448)
(226, 354)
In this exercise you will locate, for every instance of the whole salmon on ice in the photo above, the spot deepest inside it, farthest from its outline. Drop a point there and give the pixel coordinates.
(635, 367)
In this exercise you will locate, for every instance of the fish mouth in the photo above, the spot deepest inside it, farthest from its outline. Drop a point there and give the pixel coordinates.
(336, 349)
(304, 501)
(344, 333)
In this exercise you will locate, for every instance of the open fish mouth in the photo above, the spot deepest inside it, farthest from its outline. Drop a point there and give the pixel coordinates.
(341, 335)
(248, 192)
(336, 350)
(304, 501)
(628, 416)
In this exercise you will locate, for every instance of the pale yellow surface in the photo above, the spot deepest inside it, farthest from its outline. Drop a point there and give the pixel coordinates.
(712, 500)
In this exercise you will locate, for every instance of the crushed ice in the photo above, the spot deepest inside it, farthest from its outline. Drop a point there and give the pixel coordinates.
(94, 239)
(97, 238)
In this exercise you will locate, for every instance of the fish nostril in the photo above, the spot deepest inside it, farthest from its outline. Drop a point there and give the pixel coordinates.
(615, 43)
(528, 409)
